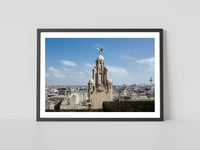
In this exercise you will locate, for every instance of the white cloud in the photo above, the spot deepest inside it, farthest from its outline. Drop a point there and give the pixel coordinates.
(55, 72)
(59, 75)
(69, 75)
(47, 74)
(68, 63)
(81, 73)
(87, 69)
(66, 69)
(89, 66)
(119, 70)
(126, 57)
(147, 65)
(118, 75)
(146, 60)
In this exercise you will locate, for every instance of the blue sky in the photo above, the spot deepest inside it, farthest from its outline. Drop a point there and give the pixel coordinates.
(69, 61)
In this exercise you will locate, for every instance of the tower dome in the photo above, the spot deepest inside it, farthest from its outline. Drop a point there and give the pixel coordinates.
(91, 81)
(109, 81)
(100, 57)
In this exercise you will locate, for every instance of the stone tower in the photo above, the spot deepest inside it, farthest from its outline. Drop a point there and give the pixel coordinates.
(99, 87)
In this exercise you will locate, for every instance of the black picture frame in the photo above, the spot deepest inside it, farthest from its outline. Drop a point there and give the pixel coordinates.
(44, 33)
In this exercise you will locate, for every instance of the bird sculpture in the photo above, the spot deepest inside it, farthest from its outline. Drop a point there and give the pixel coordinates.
(100, 50)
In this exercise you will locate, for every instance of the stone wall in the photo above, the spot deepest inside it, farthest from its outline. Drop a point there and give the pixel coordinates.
(97, 99)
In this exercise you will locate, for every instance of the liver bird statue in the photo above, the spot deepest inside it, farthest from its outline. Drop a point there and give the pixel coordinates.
(100, 50)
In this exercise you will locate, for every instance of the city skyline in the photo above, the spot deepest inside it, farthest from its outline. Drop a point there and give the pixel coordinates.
(69, 61)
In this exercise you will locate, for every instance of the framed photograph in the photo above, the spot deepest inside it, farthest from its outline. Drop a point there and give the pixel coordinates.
(99, 74)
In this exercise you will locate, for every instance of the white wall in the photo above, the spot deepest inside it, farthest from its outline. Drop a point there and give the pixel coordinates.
(19, 20)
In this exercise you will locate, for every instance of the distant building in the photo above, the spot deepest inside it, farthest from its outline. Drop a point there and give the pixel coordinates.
(74, 101)
(52, 92)
(57, 98)
(99, 87)
(50, 106)
(62, 91)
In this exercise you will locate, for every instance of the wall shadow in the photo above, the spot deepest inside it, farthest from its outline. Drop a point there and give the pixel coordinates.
(166, 95)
